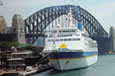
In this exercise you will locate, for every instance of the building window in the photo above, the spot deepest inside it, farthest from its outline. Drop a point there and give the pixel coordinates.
(21, 31)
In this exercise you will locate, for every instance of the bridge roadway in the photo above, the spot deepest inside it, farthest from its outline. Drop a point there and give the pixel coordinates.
(41, 20)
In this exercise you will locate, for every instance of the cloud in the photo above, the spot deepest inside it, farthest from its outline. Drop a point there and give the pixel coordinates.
(24, 7)
(103, 11)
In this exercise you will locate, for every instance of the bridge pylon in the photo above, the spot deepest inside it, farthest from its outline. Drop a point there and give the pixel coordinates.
(18, 28)
(3, 27)
(112, 36)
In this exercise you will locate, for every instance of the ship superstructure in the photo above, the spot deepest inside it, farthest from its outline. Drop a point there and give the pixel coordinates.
(70, 47)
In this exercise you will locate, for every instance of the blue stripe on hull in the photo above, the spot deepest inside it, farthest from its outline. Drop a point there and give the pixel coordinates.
(61, 55)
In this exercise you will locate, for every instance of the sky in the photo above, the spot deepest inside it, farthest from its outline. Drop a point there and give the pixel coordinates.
(102, 10)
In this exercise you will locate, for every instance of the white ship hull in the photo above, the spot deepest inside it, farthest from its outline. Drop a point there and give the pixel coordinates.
(70, 47)
(64, 62)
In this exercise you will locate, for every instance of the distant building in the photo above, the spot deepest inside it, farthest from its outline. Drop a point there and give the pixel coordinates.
(9, 29)
(112, 36)
(3, 27)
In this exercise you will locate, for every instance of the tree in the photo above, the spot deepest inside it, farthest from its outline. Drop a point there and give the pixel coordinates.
(1, 3)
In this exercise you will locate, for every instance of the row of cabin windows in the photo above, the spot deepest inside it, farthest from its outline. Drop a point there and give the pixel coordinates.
(64, 35)
(61, 35)
(65, 31)
(70, 35)
(75, 39)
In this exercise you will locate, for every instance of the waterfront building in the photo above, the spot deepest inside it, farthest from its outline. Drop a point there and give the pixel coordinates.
(23, 54)
(17, 59)
(14, 63)
(22, 58)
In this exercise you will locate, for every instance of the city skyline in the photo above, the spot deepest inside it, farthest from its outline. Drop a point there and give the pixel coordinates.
(102, 10)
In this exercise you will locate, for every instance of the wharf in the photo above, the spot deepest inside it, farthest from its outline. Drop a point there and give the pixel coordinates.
(34, 71)
(29, 72)
(1, 74)
(10, 73)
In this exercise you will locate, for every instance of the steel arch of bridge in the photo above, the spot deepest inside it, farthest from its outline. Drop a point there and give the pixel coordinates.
(37, 22)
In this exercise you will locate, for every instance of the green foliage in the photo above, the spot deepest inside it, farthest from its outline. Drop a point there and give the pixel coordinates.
(1, 3)
(8, 45)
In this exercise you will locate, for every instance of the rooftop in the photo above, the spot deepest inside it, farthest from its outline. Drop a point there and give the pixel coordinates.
(25, 52)
(15, 59)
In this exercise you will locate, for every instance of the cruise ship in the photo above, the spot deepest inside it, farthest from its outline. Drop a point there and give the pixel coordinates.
(69, 45)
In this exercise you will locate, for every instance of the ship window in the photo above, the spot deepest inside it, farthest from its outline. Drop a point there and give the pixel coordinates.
(61, 39)
(57, 39)
(76, 39)
(50, 35)
(69, 39)
(46, 36)
(54, 31)
(77, 34)
(50, 40)
(66, 18)
(65, 39)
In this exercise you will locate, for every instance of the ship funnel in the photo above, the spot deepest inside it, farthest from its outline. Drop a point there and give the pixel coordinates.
(80, 26)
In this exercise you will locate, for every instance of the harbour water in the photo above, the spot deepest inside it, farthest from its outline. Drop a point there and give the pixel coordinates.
(104, 67)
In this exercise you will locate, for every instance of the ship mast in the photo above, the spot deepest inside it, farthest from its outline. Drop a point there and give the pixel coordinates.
(59, 27)
(70, 16)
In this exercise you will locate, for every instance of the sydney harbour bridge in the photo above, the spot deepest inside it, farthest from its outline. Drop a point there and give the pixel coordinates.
(36, 24)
